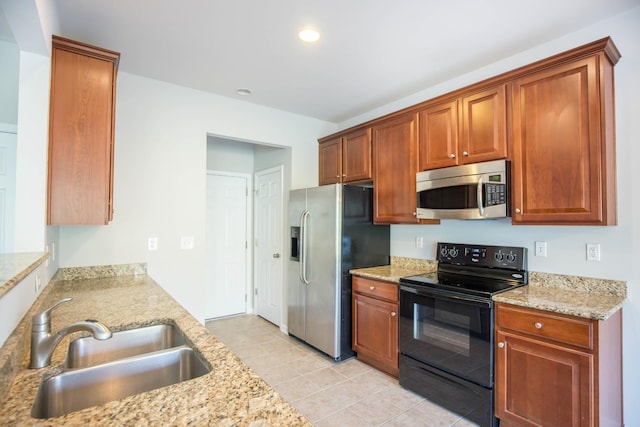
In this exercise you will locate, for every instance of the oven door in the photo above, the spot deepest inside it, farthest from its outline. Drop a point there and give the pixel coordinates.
(447, 330)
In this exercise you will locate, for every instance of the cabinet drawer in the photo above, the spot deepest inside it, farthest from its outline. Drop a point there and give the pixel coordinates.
(375, 288)
(557, 327)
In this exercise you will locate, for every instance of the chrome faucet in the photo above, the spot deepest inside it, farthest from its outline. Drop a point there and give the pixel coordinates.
(43, 342)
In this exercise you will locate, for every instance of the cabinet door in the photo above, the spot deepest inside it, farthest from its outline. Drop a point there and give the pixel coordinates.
(375, 332)
(483, 135)
(439, 136)
(81, 120)
(330, 162)
(539, 384)
(356, 156)
(395, 164)
(561, 169)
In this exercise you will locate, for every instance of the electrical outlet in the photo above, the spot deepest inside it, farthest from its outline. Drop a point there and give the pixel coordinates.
(186, 242)
(541, 249)
(38, 283)
(593, 251)
(419, 242)
(152, 244)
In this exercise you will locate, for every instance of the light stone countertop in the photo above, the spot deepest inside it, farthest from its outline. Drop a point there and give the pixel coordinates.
(230, 395)
(584, 297)
(16, 266)
(399, 267)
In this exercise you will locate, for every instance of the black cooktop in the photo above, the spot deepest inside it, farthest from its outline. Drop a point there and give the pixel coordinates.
(475, 269)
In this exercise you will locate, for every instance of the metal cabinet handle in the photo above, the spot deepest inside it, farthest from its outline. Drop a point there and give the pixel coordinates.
(276, 255)
(393, 314)
(516, 210)
(500, 345)
(452, 156)
(538, 325)
(371, 288)
(464, 153)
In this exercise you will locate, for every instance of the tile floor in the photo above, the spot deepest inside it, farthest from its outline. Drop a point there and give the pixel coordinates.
(346, 394)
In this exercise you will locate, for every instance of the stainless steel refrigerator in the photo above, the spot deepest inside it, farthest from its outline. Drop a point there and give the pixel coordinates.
(332, 231)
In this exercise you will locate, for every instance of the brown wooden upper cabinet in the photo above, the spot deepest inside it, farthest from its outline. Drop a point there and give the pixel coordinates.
(563, 169)
(554, 119)
(469, 129)
(346, 158)
(395, 164)
(81, 127)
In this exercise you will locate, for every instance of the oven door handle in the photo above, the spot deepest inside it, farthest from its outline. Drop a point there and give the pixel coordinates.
(479, 198)
(448, 296)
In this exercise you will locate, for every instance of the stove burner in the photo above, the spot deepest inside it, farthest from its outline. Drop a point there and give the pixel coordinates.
(475, 270)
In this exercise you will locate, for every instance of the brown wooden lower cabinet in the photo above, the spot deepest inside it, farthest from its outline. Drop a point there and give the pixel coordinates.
(375, 323)
(557, 370)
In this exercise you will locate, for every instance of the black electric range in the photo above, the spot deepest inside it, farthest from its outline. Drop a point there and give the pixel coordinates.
(446, 326)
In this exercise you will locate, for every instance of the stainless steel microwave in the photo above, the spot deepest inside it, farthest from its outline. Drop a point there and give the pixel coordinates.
(473, 191)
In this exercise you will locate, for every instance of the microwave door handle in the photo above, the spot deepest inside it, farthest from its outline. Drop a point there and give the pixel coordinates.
(479, 197)
(303, 249)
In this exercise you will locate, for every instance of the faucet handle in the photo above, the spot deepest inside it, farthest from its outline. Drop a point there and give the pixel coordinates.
(44, 318)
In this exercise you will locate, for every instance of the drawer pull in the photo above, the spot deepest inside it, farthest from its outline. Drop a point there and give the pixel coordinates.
(393, 314)
(371, 288)
(500, 345)
(538, 325)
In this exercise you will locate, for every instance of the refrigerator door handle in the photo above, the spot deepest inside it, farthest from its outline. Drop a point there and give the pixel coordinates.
(303, 243)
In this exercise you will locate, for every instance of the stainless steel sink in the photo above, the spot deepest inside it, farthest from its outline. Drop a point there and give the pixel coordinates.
(82, 388)
(88, 351)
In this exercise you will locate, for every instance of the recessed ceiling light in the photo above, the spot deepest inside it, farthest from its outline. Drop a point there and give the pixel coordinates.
(309, 36)
(243, 92)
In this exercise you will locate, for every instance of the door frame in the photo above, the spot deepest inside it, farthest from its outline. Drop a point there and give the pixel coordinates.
(249, 230)
(283, 220)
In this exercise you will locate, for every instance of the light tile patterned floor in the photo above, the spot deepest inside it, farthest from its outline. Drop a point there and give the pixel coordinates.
(346, 394)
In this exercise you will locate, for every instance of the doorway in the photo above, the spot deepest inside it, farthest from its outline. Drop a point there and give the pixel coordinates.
(228, 229)
(269, 256)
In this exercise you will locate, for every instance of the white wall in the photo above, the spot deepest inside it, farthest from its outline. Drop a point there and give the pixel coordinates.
(229, 155)
(620, 245)
(9, 77)
(31, 162)
(160, 167)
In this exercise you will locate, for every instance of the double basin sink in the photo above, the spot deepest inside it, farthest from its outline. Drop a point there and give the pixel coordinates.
(131, 362)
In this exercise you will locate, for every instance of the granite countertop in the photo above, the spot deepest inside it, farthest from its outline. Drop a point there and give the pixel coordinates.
(399, 267)
(572, 295)
(230, 395)
(577, 296)
(16, 266)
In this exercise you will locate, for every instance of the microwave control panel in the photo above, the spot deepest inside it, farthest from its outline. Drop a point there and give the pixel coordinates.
(494, 194)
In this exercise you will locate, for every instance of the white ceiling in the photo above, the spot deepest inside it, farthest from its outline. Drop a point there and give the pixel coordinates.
(371, 52)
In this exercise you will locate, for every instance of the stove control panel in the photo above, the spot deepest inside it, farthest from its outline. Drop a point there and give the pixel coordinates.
(482, 255)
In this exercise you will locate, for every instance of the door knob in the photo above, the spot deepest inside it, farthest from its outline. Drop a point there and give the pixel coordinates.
(276, 255)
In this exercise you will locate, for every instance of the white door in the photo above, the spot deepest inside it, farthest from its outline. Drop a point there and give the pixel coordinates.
(268, 245)
(227, 246)
(8, 142)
